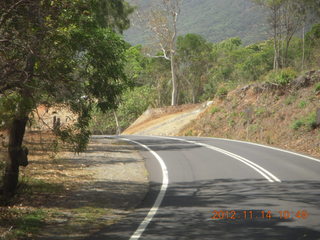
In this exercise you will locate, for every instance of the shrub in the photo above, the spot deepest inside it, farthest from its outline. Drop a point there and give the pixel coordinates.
(303, 104)
(297, 124)
(309, 122)
(282, 77)
(222, 92)
(214, 110)
(317, 87)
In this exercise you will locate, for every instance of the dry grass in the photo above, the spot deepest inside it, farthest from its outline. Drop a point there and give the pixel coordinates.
(266, 118)
(72, 195)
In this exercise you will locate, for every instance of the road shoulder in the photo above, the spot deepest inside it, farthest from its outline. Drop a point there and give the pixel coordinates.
(112, 183)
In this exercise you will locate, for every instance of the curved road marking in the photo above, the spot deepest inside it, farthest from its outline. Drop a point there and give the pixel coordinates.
(265, 146)
(264, 172)
(165, 181)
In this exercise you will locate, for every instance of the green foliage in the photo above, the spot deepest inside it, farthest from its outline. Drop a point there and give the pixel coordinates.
(222, 92)
(297, 124)
(29, 185)
(31, 222)
(317, 87)
(133, 103)
(215, 20)
(303, 104)
(309, 122)
(313, 36)
(70, 55)
(193, 54)
(214, 110)
(283, 77)
(135, 64)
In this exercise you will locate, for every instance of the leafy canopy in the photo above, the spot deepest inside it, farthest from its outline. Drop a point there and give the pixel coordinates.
(61, 52)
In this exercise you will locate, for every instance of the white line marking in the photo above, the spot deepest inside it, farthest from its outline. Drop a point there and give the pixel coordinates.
(264, 146)
(165, 181)
(264, 172)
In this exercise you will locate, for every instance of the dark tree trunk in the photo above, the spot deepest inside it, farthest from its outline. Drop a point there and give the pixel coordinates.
(17, 156)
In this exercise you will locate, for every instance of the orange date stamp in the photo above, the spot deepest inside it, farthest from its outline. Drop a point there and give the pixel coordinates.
(259, 214)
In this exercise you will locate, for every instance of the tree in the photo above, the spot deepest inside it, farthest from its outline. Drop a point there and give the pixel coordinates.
(274, 20)
(163, 24)
(57, 52)
(193, 54)
(294, 15)
(287, 18)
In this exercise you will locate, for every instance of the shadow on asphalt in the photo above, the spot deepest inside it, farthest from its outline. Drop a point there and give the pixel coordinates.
(187, 211)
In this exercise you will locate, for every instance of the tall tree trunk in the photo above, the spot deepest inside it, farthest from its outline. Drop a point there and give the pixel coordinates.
(17, 156)
(275, 60)
(303, 46)
(276, 50)
(174, 97)
(117, 122)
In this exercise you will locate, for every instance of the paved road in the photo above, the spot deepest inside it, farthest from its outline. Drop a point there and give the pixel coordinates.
(220, 189)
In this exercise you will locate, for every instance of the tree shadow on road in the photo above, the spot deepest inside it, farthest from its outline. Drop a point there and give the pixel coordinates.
(187, 211)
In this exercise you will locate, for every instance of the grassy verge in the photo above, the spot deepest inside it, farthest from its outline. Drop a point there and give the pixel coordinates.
(43, 182)
(21, 222)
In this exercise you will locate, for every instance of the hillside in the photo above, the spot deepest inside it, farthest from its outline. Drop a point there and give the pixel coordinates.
(282, 116)
(165, 121)
(216, 20)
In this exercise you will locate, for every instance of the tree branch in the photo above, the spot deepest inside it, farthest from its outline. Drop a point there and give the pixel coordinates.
(158, 57)
(4, 16)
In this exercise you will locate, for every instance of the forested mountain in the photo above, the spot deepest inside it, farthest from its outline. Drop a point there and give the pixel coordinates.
(215, 20)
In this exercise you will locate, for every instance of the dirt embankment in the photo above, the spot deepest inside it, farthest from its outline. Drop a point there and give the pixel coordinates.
(282, 116)
(167, 121)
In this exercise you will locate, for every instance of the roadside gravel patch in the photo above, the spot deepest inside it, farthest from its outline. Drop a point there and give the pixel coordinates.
(116, 182)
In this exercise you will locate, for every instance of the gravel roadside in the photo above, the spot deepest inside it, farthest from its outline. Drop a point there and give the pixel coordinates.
(114, 182)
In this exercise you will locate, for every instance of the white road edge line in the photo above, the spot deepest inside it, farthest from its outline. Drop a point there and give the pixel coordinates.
(262, 171)
(165, 181)
(265, 146)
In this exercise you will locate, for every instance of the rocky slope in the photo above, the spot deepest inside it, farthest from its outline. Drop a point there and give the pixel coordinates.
(282, 116)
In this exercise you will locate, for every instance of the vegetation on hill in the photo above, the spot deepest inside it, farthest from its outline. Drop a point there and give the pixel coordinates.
(215, 20)
(207, 70)
(279, 115)
(71, 54)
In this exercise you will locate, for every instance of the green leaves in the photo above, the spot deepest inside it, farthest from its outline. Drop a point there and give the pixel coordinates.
(63, 52)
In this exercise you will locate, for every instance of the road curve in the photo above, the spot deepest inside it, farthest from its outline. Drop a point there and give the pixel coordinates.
(221, 189)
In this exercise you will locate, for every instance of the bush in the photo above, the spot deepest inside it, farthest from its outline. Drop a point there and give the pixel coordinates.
(317, 87)
(297, 124)
(303, 104)
(222, 93)
(282, 77)
(214, 110)
(310, 122)
(133, 103)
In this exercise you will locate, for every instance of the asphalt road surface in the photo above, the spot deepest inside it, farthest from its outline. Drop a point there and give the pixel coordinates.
(203, 188)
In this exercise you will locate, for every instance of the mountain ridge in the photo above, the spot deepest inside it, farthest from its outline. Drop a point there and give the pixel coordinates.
(215, 20)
